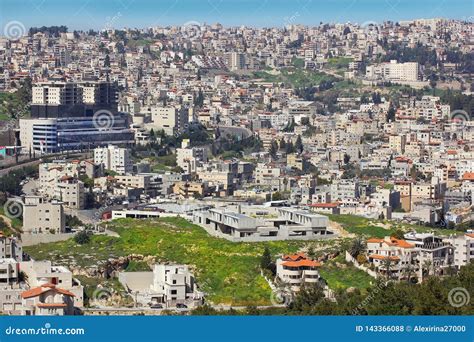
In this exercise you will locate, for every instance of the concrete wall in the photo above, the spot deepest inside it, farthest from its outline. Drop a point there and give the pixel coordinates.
(136, 281)
(35, 239)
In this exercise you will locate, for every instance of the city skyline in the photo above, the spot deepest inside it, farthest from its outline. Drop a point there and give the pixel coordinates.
(84, 14)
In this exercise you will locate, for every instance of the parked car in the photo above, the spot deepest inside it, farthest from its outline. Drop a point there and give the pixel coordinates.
(181, 306)
(156, 306)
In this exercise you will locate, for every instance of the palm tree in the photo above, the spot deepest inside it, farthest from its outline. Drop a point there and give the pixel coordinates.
(358, 246)
(427, 266)
(387, 266)
(408, 271)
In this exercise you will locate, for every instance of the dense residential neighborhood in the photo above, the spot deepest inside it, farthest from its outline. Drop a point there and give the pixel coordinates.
(207, 169)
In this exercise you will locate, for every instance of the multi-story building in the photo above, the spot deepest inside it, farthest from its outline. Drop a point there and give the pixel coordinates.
(41, 217)
(289, 224)
(296, 270)
(70, 192)
(189, 158)
(173, 285)
(70, 116)
(171, 119)
(114, 158)
(435, 256)
(463, 248)
(392, 257)
(394, 71)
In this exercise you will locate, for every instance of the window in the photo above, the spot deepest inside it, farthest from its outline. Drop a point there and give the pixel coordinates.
(173, 292)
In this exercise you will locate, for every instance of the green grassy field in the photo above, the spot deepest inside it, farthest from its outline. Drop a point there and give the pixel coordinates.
(228, 272)
(375, 228)
(342, 275)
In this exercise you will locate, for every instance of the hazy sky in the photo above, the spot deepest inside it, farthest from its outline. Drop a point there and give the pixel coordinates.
(98, 14)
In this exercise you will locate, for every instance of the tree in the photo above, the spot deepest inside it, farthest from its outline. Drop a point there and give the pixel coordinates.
(107, 61)
(152, 135)
(357, 247)
(266, 262)
(311, 252)
(274, 150)
(387, 266)
(399, 234)
(308, 297)
(347, 158)
(299, 144)
(82, 238)
(282, 144)
(391, 114)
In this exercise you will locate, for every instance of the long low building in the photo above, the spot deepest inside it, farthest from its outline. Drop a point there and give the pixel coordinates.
(290, 224)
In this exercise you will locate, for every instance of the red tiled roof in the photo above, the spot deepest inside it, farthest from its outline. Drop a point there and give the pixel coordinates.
(36, 291)
(384, 257)
(302, 263)
(468, 176)
(374, 240)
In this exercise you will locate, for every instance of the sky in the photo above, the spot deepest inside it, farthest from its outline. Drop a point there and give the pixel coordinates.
(99, 14)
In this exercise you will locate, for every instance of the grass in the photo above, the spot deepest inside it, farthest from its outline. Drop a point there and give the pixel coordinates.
(339, 62)
(375, 228)
(361, 226)
(297, 77)
(342, 275)
(137, 266)
(228, 272)
(164, 163)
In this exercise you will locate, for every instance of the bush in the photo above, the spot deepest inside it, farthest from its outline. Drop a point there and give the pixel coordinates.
(361, 259)
(82, 238)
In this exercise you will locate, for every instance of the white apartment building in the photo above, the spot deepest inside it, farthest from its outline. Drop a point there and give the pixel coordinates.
(56, 93)
(463, 248)
(297, 269)
(114, 158)
(137, 182)
(174, 284)
(189, 158)
(169, 119)
(392, 256)
(42, 217)
(394, 71)
(70, 192)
